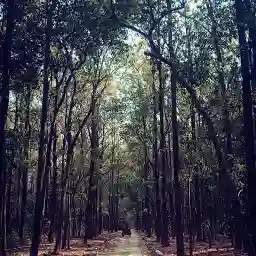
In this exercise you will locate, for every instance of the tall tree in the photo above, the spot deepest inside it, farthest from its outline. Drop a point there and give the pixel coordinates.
(155, 156)
(162, 148)
(40, 186)
(248, 119)
(4, 103)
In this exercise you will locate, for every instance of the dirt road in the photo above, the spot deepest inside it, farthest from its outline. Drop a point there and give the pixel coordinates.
(127, 246)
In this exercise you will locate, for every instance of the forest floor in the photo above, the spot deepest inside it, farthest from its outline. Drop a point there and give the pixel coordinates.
(114, 244)
(220, 247)
(76, 244)
(107, 244)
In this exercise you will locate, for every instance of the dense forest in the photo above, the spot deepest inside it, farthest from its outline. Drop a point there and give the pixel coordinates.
(141, 111)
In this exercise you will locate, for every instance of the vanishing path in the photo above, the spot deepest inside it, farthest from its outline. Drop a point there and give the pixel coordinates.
(127, 246)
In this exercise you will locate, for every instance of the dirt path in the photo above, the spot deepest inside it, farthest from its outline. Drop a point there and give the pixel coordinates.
(116, 246)
(127, 246)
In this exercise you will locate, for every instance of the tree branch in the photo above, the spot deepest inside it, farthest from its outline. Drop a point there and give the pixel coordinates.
(86, 118)
(198, 104)
(135, 29)
(162, 15)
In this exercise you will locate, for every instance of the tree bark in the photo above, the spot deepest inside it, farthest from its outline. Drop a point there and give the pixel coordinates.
(54, 186)
(4, 104)
(94, 162)
(223, 95)
(176, 168)
(146, 177)
(36, 235)
(60, 206)
(155, 158)
(248, 123)
(8, 203)
(26, 161)
(175, 138)
(162, 148)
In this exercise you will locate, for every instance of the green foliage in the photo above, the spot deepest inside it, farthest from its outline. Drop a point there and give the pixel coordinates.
(101, 100)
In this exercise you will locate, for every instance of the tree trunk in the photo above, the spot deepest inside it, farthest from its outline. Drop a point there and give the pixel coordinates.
(69, 224)
(47, 171)
(26, 161)
(73, 216)
(94, 166)
(225, 113)
(18, 195)
(53, 207)
(66, 220)
(176, 162)
(100, 210)
(89, 210)
(155, 157)
(176, 168)
(36, 236)
(248, 123)
(18, 132)
(4, 103)
(190, 189)
(62, 206)
(8, 203)
(65, 169)
(3, 218)
(116, 199)
(170, 186)
(146, 177)
(164, 209)
(198, 218)
(190, 221)
(59, 208)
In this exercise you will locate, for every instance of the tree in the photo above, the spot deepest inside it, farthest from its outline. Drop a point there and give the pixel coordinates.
(248, 118)
(6, 55)
(119, 113)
